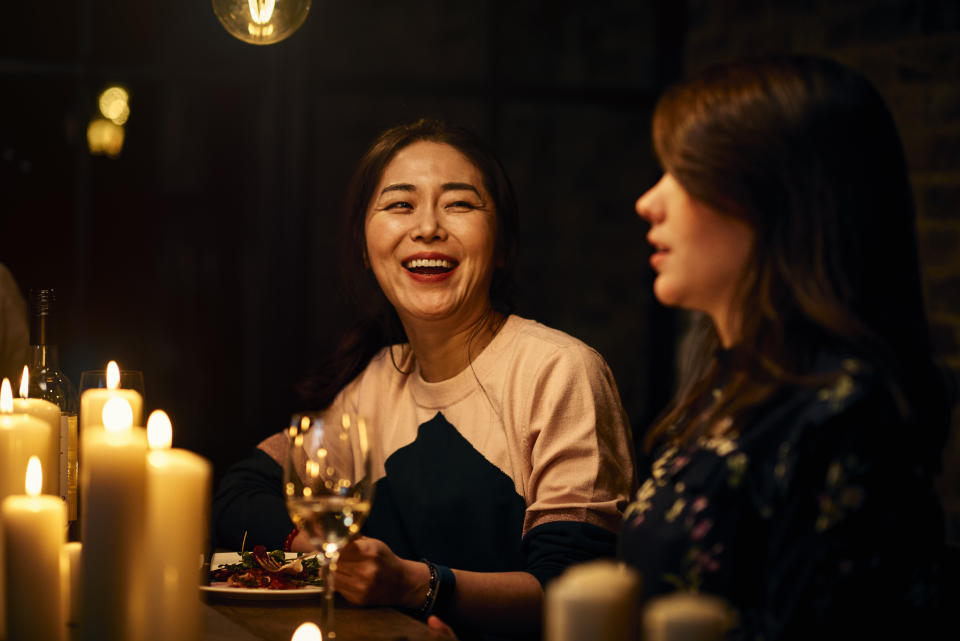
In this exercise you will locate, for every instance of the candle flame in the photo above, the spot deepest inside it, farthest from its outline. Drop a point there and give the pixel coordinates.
(113, 375)
(34, 481)
(6, 397)
(307, 632)
(159, 430)
(117, 415)
(25, 382)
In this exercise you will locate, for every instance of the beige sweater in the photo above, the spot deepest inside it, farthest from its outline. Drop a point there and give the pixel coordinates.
(538, 404)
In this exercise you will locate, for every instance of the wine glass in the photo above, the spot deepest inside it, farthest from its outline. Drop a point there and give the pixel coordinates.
(326, 478)
(97, 378)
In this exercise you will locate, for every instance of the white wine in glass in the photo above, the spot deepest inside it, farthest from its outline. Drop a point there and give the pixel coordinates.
(328, 490)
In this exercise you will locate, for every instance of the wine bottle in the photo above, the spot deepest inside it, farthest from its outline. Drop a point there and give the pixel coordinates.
(47, 381)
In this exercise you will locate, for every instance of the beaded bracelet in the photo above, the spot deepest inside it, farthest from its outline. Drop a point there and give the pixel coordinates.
(290, 537)
(427, 606)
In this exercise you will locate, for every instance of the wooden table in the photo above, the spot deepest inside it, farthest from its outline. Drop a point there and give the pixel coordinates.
(233, 620)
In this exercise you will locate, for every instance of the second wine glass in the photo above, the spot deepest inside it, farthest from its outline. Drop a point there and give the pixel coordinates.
(328, 489)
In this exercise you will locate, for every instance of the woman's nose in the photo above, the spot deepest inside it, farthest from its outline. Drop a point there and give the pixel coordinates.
(648, 205)
(428, 225)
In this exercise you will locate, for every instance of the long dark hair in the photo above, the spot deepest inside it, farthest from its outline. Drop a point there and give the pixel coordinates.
(381, 327)
(804, 150)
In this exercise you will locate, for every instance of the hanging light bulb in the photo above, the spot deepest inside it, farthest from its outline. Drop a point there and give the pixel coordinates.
(261, 22)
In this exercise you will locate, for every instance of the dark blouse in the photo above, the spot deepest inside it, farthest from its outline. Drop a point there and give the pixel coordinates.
(817, 521)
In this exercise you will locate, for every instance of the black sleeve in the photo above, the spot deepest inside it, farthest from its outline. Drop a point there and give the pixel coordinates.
(549, 548)
(250, 499)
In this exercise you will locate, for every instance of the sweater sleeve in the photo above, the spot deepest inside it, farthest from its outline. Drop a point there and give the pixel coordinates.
(549, 548)
(580, 448)
(249, 500)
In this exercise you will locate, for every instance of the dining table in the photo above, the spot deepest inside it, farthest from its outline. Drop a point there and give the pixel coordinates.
(230, 619)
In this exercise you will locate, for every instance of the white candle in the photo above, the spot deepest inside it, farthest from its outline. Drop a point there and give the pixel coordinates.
(686, 616)
(48, 413)
(93, 400)
(34, 534)
(595, 600)
(71, 581)
(21, 436)
(178, 500)
(113, 478)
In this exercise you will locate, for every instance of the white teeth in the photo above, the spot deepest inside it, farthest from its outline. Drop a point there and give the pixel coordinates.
(428, 262)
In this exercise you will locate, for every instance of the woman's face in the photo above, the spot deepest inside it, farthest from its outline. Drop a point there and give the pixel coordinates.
(430, 233)
(699, 253)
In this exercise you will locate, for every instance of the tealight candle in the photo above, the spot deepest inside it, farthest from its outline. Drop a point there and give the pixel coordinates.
(48, 413)
(93, 400)
(113, 478)
(21, 436)
(34, 534)
(178, 499)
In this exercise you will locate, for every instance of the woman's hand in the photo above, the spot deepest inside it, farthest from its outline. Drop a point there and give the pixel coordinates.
(369, 573)
(437, 625)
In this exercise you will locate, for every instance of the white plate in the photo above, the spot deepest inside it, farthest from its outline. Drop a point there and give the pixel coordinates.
(221, 588)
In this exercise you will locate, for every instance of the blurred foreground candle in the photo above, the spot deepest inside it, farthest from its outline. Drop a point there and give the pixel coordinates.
(595, 600)
(178, 499)
(34, 534)
(686, 616)
(93, 400)
(21, 436)
(113, 480)
(48, 413)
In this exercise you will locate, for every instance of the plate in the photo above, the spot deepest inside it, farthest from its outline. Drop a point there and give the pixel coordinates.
(258, 594)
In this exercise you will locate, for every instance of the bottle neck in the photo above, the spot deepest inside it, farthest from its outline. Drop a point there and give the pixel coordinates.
(43, 357)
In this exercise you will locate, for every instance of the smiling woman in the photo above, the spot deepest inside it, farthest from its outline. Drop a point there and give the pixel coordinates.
(500, 450)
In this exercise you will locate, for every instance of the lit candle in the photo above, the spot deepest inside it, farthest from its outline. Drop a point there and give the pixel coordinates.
(93, 400)
(21, 436)
(595, 600)
(34, 534)
(178, 499)
(113, 478)
(48, 413)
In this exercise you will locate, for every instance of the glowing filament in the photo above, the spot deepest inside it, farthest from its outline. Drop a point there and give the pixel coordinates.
(6, 397)
(34, 481)
(159, 430)
(25, 382)
(261, 11)
(113, 375)
(117, 415)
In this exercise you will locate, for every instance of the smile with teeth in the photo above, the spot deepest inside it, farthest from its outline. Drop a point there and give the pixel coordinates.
(429, 265)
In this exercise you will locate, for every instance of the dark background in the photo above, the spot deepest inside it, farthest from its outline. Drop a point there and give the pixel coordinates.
(206, 254)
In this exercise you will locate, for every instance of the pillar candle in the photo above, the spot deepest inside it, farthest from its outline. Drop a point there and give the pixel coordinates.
(686, 616)
(48, 413)
(93, 400)
(71, 581)
(34, 534)
(21, 436)
(113, 480)
(178, 499)
(595, 600)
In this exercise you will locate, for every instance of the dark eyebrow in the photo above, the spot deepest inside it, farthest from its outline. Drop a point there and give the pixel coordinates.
(398, 187)
(457, 186)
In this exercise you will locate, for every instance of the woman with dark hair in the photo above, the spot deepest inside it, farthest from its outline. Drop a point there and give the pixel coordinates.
(792, 473)
(500, 448)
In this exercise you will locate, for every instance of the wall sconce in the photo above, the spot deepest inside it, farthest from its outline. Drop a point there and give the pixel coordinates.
(261, 22)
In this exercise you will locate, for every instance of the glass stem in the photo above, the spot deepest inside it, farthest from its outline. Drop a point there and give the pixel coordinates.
(326, 625)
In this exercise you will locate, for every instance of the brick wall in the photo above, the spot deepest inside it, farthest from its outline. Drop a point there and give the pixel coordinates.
(911, 51)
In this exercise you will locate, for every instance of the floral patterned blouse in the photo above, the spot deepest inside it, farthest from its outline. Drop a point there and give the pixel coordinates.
(817, 521)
